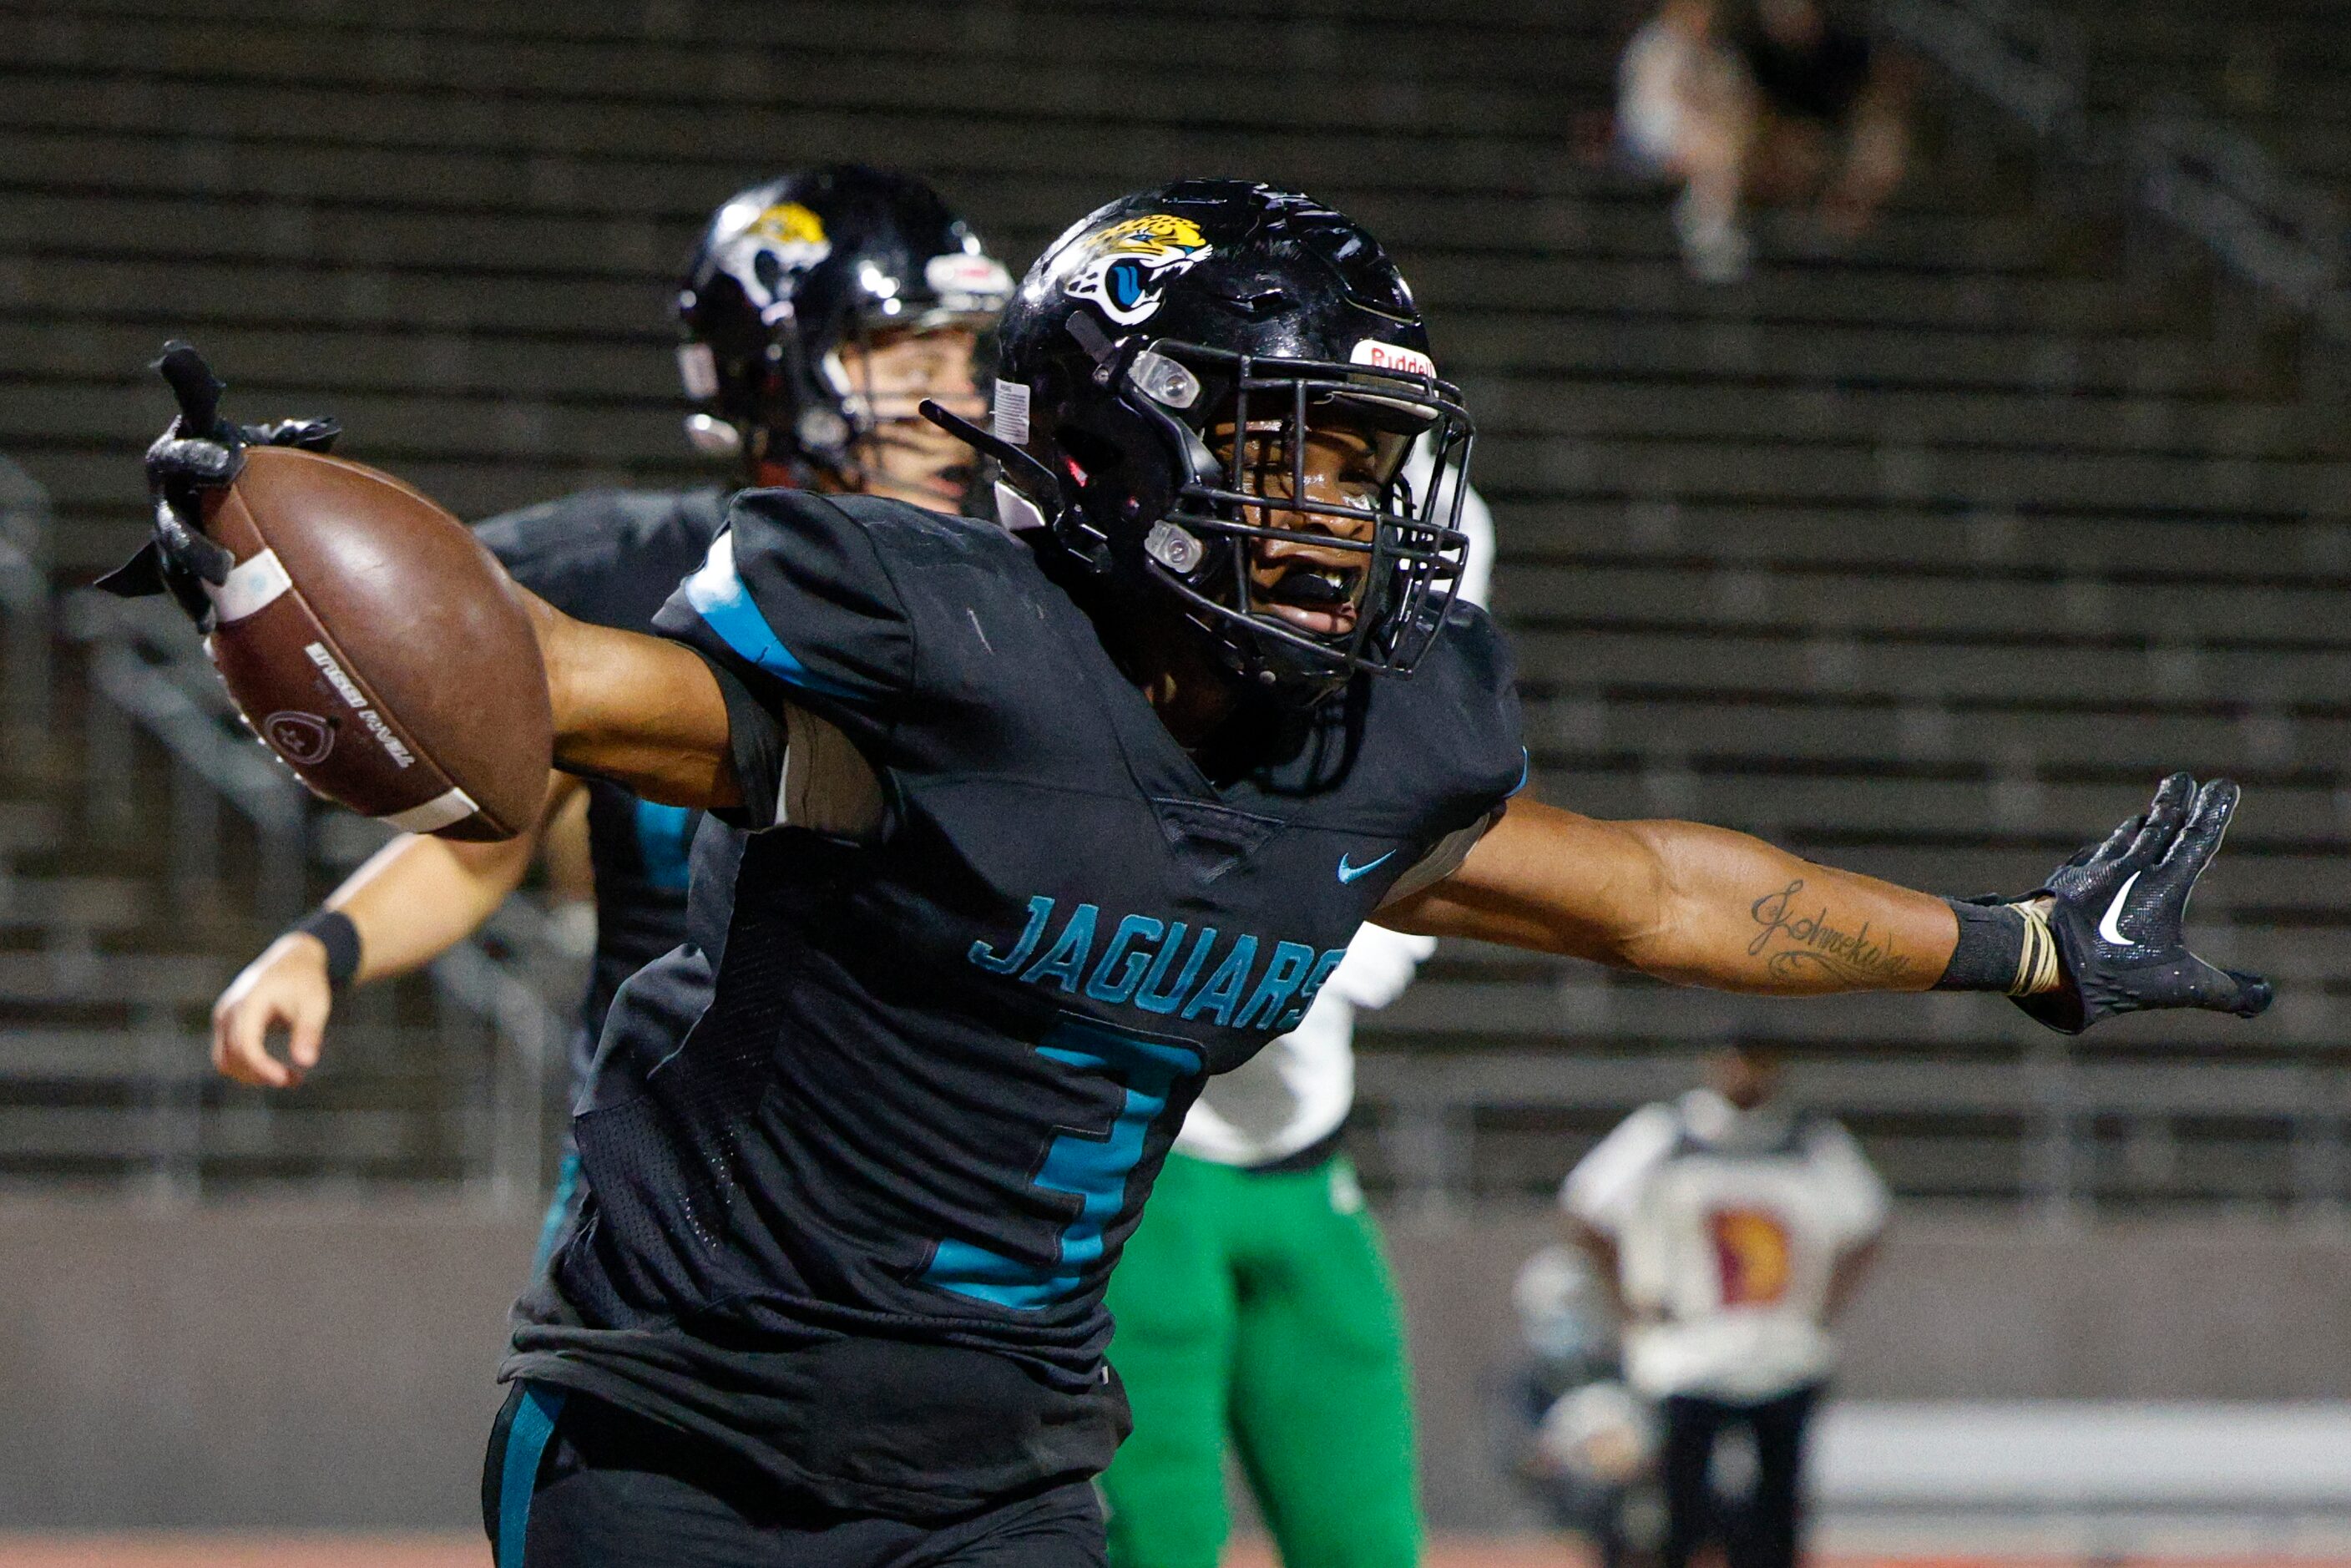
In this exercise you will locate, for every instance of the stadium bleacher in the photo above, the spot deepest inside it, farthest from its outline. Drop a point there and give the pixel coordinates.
(1909, 554)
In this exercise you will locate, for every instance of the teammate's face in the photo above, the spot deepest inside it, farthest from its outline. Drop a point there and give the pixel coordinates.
(908, 458)
(1299, 578)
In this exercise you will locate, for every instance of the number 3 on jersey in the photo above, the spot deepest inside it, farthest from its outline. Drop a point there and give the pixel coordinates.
(1092, 1167)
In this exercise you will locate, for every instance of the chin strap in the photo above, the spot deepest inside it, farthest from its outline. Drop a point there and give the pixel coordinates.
(1014, 458)
(988, 441)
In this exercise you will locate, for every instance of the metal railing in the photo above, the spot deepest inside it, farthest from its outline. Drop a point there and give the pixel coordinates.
(137, 665)
(2018, 56)
(2175, 160)
(144, 678)
(531, 1034)
(25, 525)
(2219, 185)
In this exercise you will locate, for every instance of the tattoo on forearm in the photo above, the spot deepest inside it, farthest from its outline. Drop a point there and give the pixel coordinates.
(1797, 945)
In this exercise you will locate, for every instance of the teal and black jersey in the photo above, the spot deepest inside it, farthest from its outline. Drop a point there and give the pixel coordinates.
(862, 1155)
(612, 558)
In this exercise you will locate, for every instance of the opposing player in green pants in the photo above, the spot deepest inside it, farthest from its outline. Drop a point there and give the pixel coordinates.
(1257, 1300)
(1253, 1305)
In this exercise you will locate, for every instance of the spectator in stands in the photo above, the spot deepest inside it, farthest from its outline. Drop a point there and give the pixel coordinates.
(1830, 106)
(1685, 112)
(1780, 104)
(1730, 1229)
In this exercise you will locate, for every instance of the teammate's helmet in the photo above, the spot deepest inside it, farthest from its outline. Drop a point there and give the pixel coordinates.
(1159, 328)
(788, 271)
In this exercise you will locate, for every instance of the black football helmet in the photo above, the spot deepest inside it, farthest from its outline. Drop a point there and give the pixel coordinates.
(1164, 337)
(788, 271)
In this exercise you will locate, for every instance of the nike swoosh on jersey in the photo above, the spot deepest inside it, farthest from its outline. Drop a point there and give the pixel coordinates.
(2108, 926)
(1350, 873)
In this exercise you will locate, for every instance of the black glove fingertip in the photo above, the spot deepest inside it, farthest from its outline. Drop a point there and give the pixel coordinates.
(2207, 825)
(2173, 798)
(193, 384)
(2166, 815)
(2254, 994)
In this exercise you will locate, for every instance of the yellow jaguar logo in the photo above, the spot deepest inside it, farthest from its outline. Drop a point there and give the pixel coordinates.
(1154, 234)
(1124, 269)
(783, 242)
(786, 222)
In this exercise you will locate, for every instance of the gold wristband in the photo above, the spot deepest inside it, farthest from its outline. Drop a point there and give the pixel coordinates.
(2036, 965)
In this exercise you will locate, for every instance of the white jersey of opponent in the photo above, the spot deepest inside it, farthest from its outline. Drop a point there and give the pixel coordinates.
(1296, 1091)
(1728, 1226)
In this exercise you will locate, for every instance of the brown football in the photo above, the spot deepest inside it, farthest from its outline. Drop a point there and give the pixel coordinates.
(377, 649)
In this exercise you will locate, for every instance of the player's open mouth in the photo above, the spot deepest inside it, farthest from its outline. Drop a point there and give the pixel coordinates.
(1320, 599)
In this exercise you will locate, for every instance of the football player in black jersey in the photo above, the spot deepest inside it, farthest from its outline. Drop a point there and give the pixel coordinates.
(819, 310)
(1044, 822)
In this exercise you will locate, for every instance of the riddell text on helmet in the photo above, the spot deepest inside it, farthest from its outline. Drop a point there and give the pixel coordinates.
(347, 689)
(1378, 355)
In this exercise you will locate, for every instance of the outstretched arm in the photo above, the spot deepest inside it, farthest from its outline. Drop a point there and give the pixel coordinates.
(1687, 903)
(641, 711)
(413, 900)
(1706, 907)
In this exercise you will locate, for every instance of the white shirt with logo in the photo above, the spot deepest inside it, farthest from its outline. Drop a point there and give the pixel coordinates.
(1297, 1090)
(1728, 1226)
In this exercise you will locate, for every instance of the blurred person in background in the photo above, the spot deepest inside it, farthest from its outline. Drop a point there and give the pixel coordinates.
(1772, 102)
(1586, 1444)
(819, 310)
(1685, 112)
(1254, 1302)
(1831, 107)
(1730, 1229)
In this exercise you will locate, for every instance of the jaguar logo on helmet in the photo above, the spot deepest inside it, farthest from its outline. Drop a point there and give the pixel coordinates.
(1127, 265)
(1126, 362)
(778, 243)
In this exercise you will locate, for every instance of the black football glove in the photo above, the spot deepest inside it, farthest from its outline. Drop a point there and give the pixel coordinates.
(199, 450)
(2117, 908)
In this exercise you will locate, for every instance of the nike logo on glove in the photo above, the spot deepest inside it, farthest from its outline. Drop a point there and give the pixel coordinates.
(1350, 873)
(2156, 856)
(2110, 922)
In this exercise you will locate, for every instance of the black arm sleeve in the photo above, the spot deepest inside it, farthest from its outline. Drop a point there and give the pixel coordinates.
(756, 739)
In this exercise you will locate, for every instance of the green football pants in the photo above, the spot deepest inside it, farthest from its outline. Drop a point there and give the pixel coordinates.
(1259, 1305)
